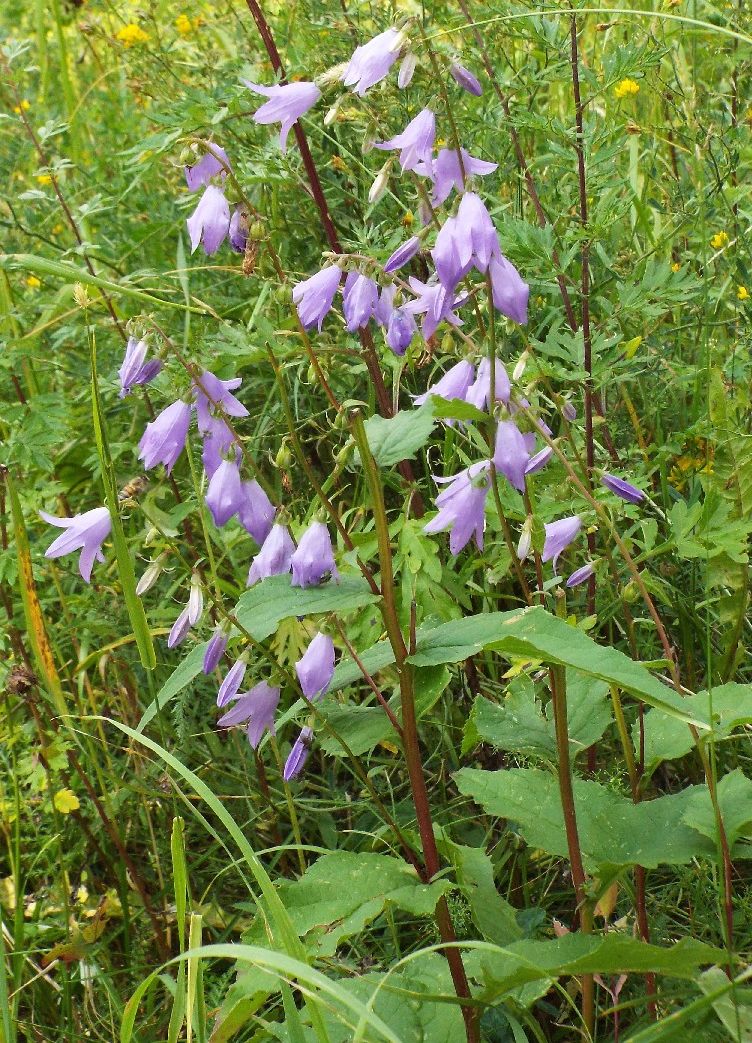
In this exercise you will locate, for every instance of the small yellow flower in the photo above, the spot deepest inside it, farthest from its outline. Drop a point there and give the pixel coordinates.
(719, 239)
(32, 282)
(132, 34)
(625, 88)
(44, 179)
(407, 219)
(58, 229)
(25, 105)
(676, 267)
(338, 163)
(184, 25)
(65, 801)
(742, 293)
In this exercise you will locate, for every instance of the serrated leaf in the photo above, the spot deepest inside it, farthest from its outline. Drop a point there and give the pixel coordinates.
(262, 608)
(392, 439)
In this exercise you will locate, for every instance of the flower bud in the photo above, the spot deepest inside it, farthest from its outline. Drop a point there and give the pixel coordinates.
(379, 186)
(283, 459)
(407, 69)
(519, 369)
(150, 576)
(333, 111)
(153, 534)
(195, 600)
(526, 539)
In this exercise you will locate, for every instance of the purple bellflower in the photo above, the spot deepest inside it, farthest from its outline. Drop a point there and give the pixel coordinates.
(625, 490)
(210, 221)
(382, 313)
(359, 300)
(134, 370)
(316, 668)
(214, 162)
(180, 629)
(230, 687)
(447, 172)
(256, 511)
(479, 392)
(372, 61)
(462, 507)
(298, 755)
(238, 231)
(218, 442)
(400, 331)
(539, 460)
(164, 438)
(85, 532)
(314, 557)
(581, 574)
(213, 397)
(256, 710)
(314, 296)
(465, 241)
(454, 383)
(559, 534)
(402, 255)
(465, 79)
(225, 492)
(435, 303)
(215, 649)
(275, 556)
(287, 103)
(509, 290)
(511, 454)
(415, 142)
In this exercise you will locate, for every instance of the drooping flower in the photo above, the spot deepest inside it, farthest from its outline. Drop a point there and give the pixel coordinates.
(213, 397)
(384, 309)
(454, 383)
(509, 290)
(415, 142)
(180, 629)
(465, 241)
(214, 162)
(256, 710)
(624, 490)
(314, 296)
(314, 557)
(511, 454)
(163, 440)
(559, 534)
(316, 668)
(465, 79)
(215, 649)
(298, 755)
(218, 442)
(359, 300)
(225, 492)
(210, 221)
(85, 532)
(539, 460)
(256, 511)
(400, 331)
(134, 370)
(287, 103)
(447, 172)
(581, 574)
(238, 232)
(435, 303)
(462, 507)
(230, 687)
(479, 392)
(275, 555)
(402, 255)
(372, 61)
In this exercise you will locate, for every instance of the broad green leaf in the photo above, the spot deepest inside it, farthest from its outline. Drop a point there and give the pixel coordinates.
(262, 608)
(735, 1015)
(613, 831)
(667, 738)
(377, 657)
(188, 668)
(399, 437)
(735, 801)
(361, 727)
(493, 916)
(456, 409)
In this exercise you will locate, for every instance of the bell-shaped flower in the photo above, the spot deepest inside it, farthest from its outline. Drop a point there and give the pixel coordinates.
(213, 398)
(539, 460)
(314, 296)
(581, 574)
(624, 490)
(479, 392)
(454, 383)
(559, 534)
(85, 532)
(511, 454)
(230, 686)
(359, 300)
(447, 172)
(435, 303)
(316, 668)
(135, 370)
(256, 511)
(225, 492)
(415, 142)
(462, 507)
(314, 557)
(256, 710)
(213, 163)
(509, 291)
(215, 649)
(372, 61)
(402, 255)
(400, 331)
(287, 103)
(298, 755)
(163, 440)
(465, 79)
(275, 555)
(238, 232)
(218, 446)
(180, 629)
(209, 223)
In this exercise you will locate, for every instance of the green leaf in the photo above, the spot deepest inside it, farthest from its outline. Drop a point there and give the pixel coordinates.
(188, 668)
(377, 657)
(735, 1016)
(399, 437)
(456, 409)
(734, 793)
(494, 917)
(262, 608)
(361, 727)
(613, 831)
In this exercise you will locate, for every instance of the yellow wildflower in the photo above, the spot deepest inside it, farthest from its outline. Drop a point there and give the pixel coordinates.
(676, 267)
(719, 239)
(44, 179)
(25, 105)
(65, 801)
(58, 229)
(184, 25)
(625, 88)
(742, 293)
(407, 219)
(32, 282)
(131, 34)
